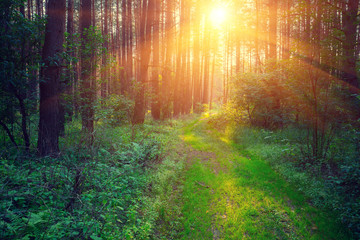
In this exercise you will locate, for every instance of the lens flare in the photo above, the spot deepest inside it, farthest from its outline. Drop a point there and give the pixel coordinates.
(218, 16)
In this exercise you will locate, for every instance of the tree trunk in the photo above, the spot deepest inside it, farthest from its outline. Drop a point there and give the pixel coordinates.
(87, 89)
(188, 84)
(350, 24)
(49, 87)
(104, 72)
(205, 99)
(66, 85)
(145, 51)
(124, 31)
(169, 36)
(129, 47)
(196, 59)
(70, 30)
(273, 5)
(178, 88)
(155, 107)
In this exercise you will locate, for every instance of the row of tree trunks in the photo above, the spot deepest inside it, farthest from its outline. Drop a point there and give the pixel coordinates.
(179, 54)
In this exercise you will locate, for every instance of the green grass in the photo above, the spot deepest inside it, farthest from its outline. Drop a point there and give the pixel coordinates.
(232, 194)
(147, 183)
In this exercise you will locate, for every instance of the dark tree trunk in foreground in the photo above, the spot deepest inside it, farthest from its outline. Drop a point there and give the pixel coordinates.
(49, 88)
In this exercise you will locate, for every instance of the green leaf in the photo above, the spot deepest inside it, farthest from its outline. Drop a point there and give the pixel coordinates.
(95, 237)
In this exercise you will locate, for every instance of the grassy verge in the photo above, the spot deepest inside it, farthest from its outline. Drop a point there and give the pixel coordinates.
(330, 184)
(230, 193)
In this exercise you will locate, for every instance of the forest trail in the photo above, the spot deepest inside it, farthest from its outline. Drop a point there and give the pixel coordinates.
(228, 194)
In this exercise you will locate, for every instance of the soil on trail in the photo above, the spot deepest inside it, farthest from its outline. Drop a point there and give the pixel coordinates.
(229, 196)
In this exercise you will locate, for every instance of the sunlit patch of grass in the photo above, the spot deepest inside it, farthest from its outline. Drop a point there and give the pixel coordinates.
(197, 199)
(205, 115)
(246, 199)
(225, 140)
(190, 138)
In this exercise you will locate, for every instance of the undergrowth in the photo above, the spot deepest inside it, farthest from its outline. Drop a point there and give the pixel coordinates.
(113, 189)
(331, 184)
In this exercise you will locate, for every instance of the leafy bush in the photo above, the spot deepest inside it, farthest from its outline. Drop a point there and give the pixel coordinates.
(18, 79)
(294, 94)
(220, 120)
(261, 100)
(114, 110)
(199, 107)
(98, 192)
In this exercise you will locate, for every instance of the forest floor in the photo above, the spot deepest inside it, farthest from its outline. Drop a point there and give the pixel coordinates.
(225, 193)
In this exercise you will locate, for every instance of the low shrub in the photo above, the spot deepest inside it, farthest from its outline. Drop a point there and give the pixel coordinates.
(101, 191)
(114, 110)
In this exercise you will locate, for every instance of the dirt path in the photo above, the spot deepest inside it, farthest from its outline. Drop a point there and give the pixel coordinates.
(228, 196)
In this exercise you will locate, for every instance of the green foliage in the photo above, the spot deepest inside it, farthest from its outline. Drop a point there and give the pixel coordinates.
(199, 108)
(296, 93)
(92, 44)
(220, 120)
(20, 59)
(331, 184)
(261, 100)
(91, 51)
(315, 146)
(114, 110)
(234, 194)
(98, 192)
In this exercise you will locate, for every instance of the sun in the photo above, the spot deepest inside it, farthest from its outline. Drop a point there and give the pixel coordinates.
(218, 16)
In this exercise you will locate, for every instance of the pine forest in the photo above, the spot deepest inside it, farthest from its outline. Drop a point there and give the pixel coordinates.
(180, 119)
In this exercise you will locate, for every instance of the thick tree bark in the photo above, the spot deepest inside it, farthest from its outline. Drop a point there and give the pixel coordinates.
(49, 87)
